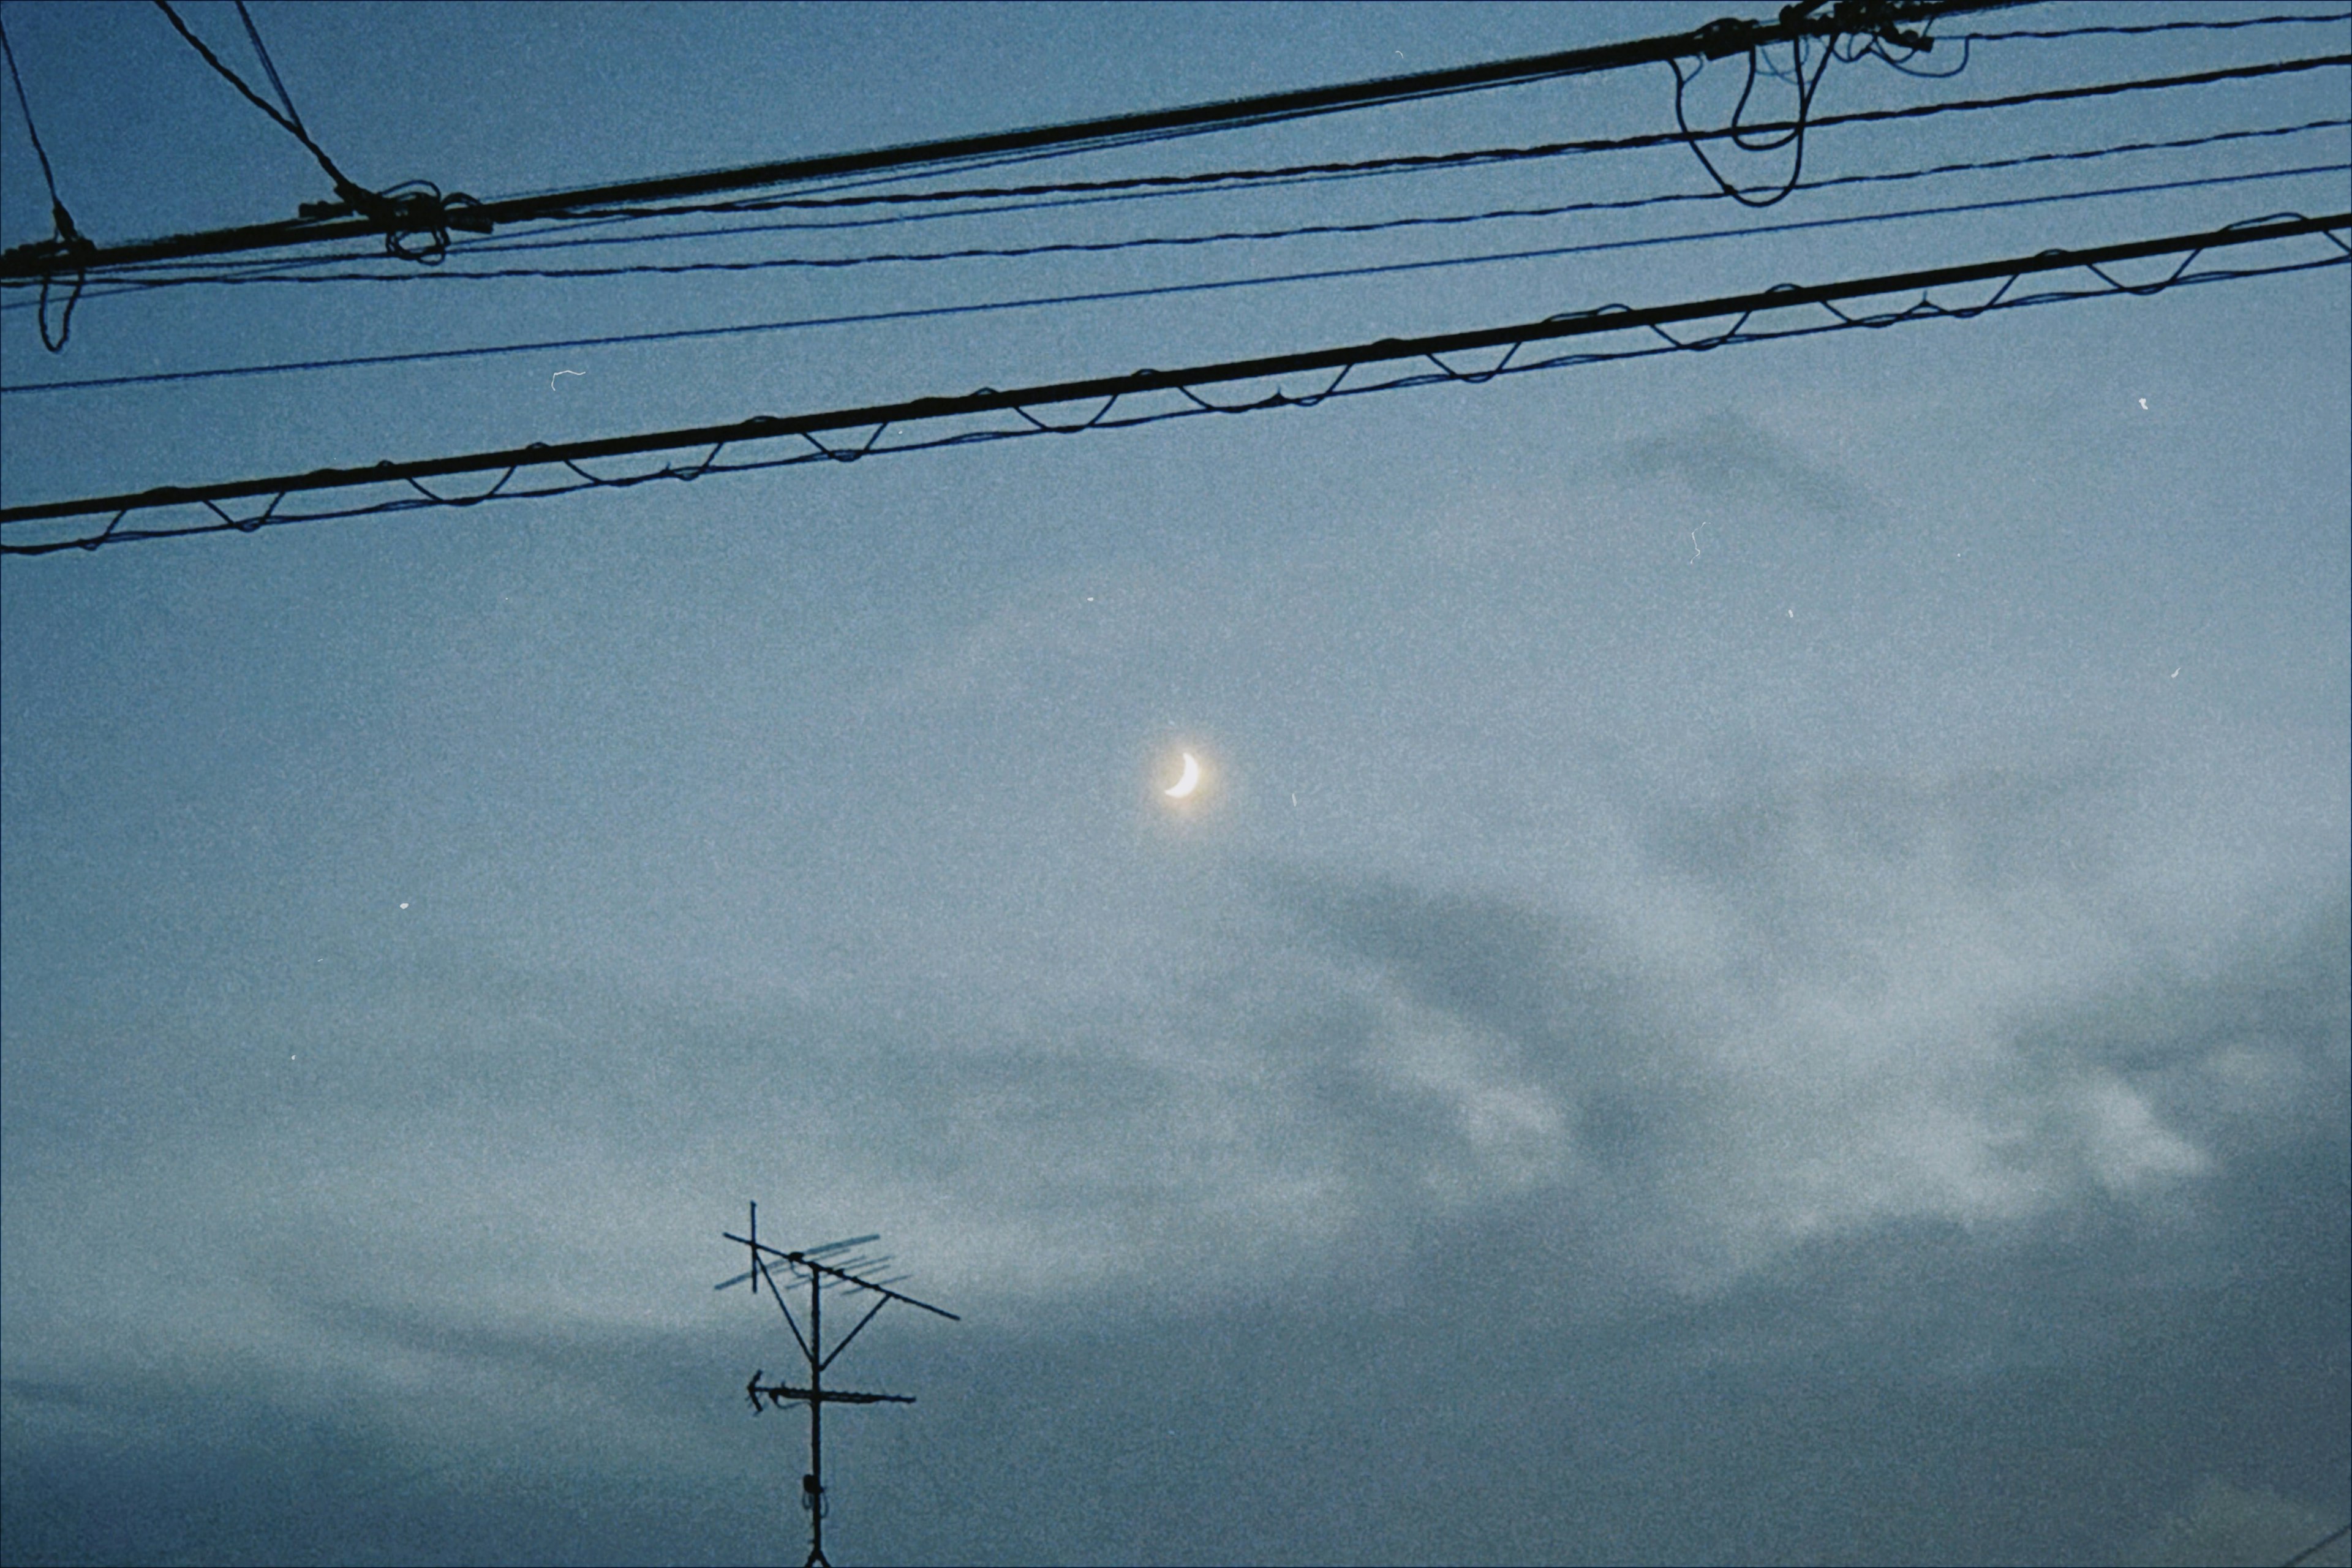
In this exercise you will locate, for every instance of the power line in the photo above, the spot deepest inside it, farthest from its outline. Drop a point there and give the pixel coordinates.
(1924, 309)
(1148, 186)
(268, 65)
(65, 240)
(2215, 25)
(1144, 291)
(1151, 185)
(248, 274)
(388, 212)
(1113, 390)
(1415, 161)
(2315, 1547)
(1886, 18)
(272, 272)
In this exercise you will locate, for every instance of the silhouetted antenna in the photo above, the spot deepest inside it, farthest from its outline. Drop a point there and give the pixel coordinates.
(836, 1266)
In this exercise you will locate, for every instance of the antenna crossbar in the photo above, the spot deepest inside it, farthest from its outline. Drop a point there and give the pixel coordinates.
(805, 1260)
(803, 1265)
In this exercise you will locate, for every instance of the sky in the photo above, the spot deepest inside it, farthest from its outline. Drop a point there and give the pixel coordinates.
(1758, 972)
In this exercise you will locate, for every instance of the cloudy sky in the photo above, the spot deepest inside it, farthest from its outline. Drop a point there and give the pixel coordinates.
(1758, 973)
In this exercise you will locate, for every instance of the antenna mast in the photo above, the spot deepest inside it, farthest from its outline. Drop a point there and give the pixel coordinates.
(835, 1272)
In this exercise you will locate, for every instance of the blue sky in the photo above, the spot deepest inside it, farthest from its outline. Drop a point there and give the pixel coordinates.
(1760, 975)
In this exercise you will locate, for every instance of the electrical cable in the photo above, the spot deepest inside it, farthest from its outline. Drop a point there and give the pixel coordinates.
(1967, 41)
(1409, 163)
(2307, 1554)
(268, 64)
(424, 210)
(1147, 291)
(1113, 390)
(2216, 25)
(64, 239)
(818, 225)
(1805, 91)
(1148, 186)
(1726, 36)
(1056, 247)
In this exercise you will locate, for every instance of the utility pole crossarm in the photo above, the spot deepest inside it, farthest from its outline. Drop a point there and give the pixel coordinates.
(1889, 18)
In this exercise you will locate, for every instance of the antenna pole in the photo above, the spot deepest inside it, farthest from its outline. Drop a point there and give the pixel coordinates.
(812, 1484)
(833, 1265)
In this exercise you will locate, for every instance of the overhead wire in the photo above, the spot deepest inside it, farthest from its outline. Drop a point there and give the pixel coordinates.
(64, 239)
(1967, 41)
(268, 65)
(1095, 297)
(1773, 141)
(403, 211)
(2308, 1552)
(1727, 35)
(248, 274)
(1112, 391)
(425, 210)
(1408, 163)
(1145, 186)
(2107, 30)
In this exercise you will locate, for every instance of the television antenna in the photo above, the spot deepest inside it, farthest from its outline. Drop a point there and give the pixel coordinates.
(838, 1266)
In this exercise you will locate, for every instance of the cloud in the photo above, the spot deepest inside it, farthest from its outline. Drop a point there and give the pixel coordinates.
(1730, 458)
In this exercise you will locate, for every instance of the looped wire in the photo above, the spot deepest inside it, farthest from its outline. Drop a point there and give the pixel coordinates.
(1739, 137)
(66, 241)
(422, 211)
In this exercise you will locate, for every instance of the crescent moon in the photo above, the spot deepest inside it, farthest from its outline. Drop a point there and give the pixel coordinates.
(1190, 781)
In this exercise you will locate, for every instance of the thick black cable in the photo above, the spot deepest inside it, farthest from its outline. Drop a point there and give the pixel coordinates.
(1151, 186)
(1728, 36)
(1295, 173)
(868, 318)
(819, 225)
(345, 186)
(1378, 226)
(242, 272)
(1409, 163)
(1736, 336)
(1343, 360)
(64, 239)
(402, 212)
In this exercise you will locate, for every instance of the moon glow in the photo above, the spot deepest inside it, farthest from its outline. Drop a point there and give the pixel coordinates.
(1189, 783)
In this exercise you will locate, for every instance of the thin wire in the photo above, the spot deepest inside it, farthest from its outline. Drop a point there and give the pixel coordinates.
(1873, 47)
(1104, 296)
(1409, 163)
(1737, 334)
(266, 64)
(25, 109)
(2305, 1555)
(1149, 187)
(2213, 27)
(343, 183)
(423, 210)
(1232, 235)
(63, 236)
(826, 225)
(1805, 91)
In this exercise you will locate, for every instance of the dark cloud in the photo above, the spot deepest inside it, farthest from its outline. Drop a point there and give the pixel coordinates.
(1729, 459)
